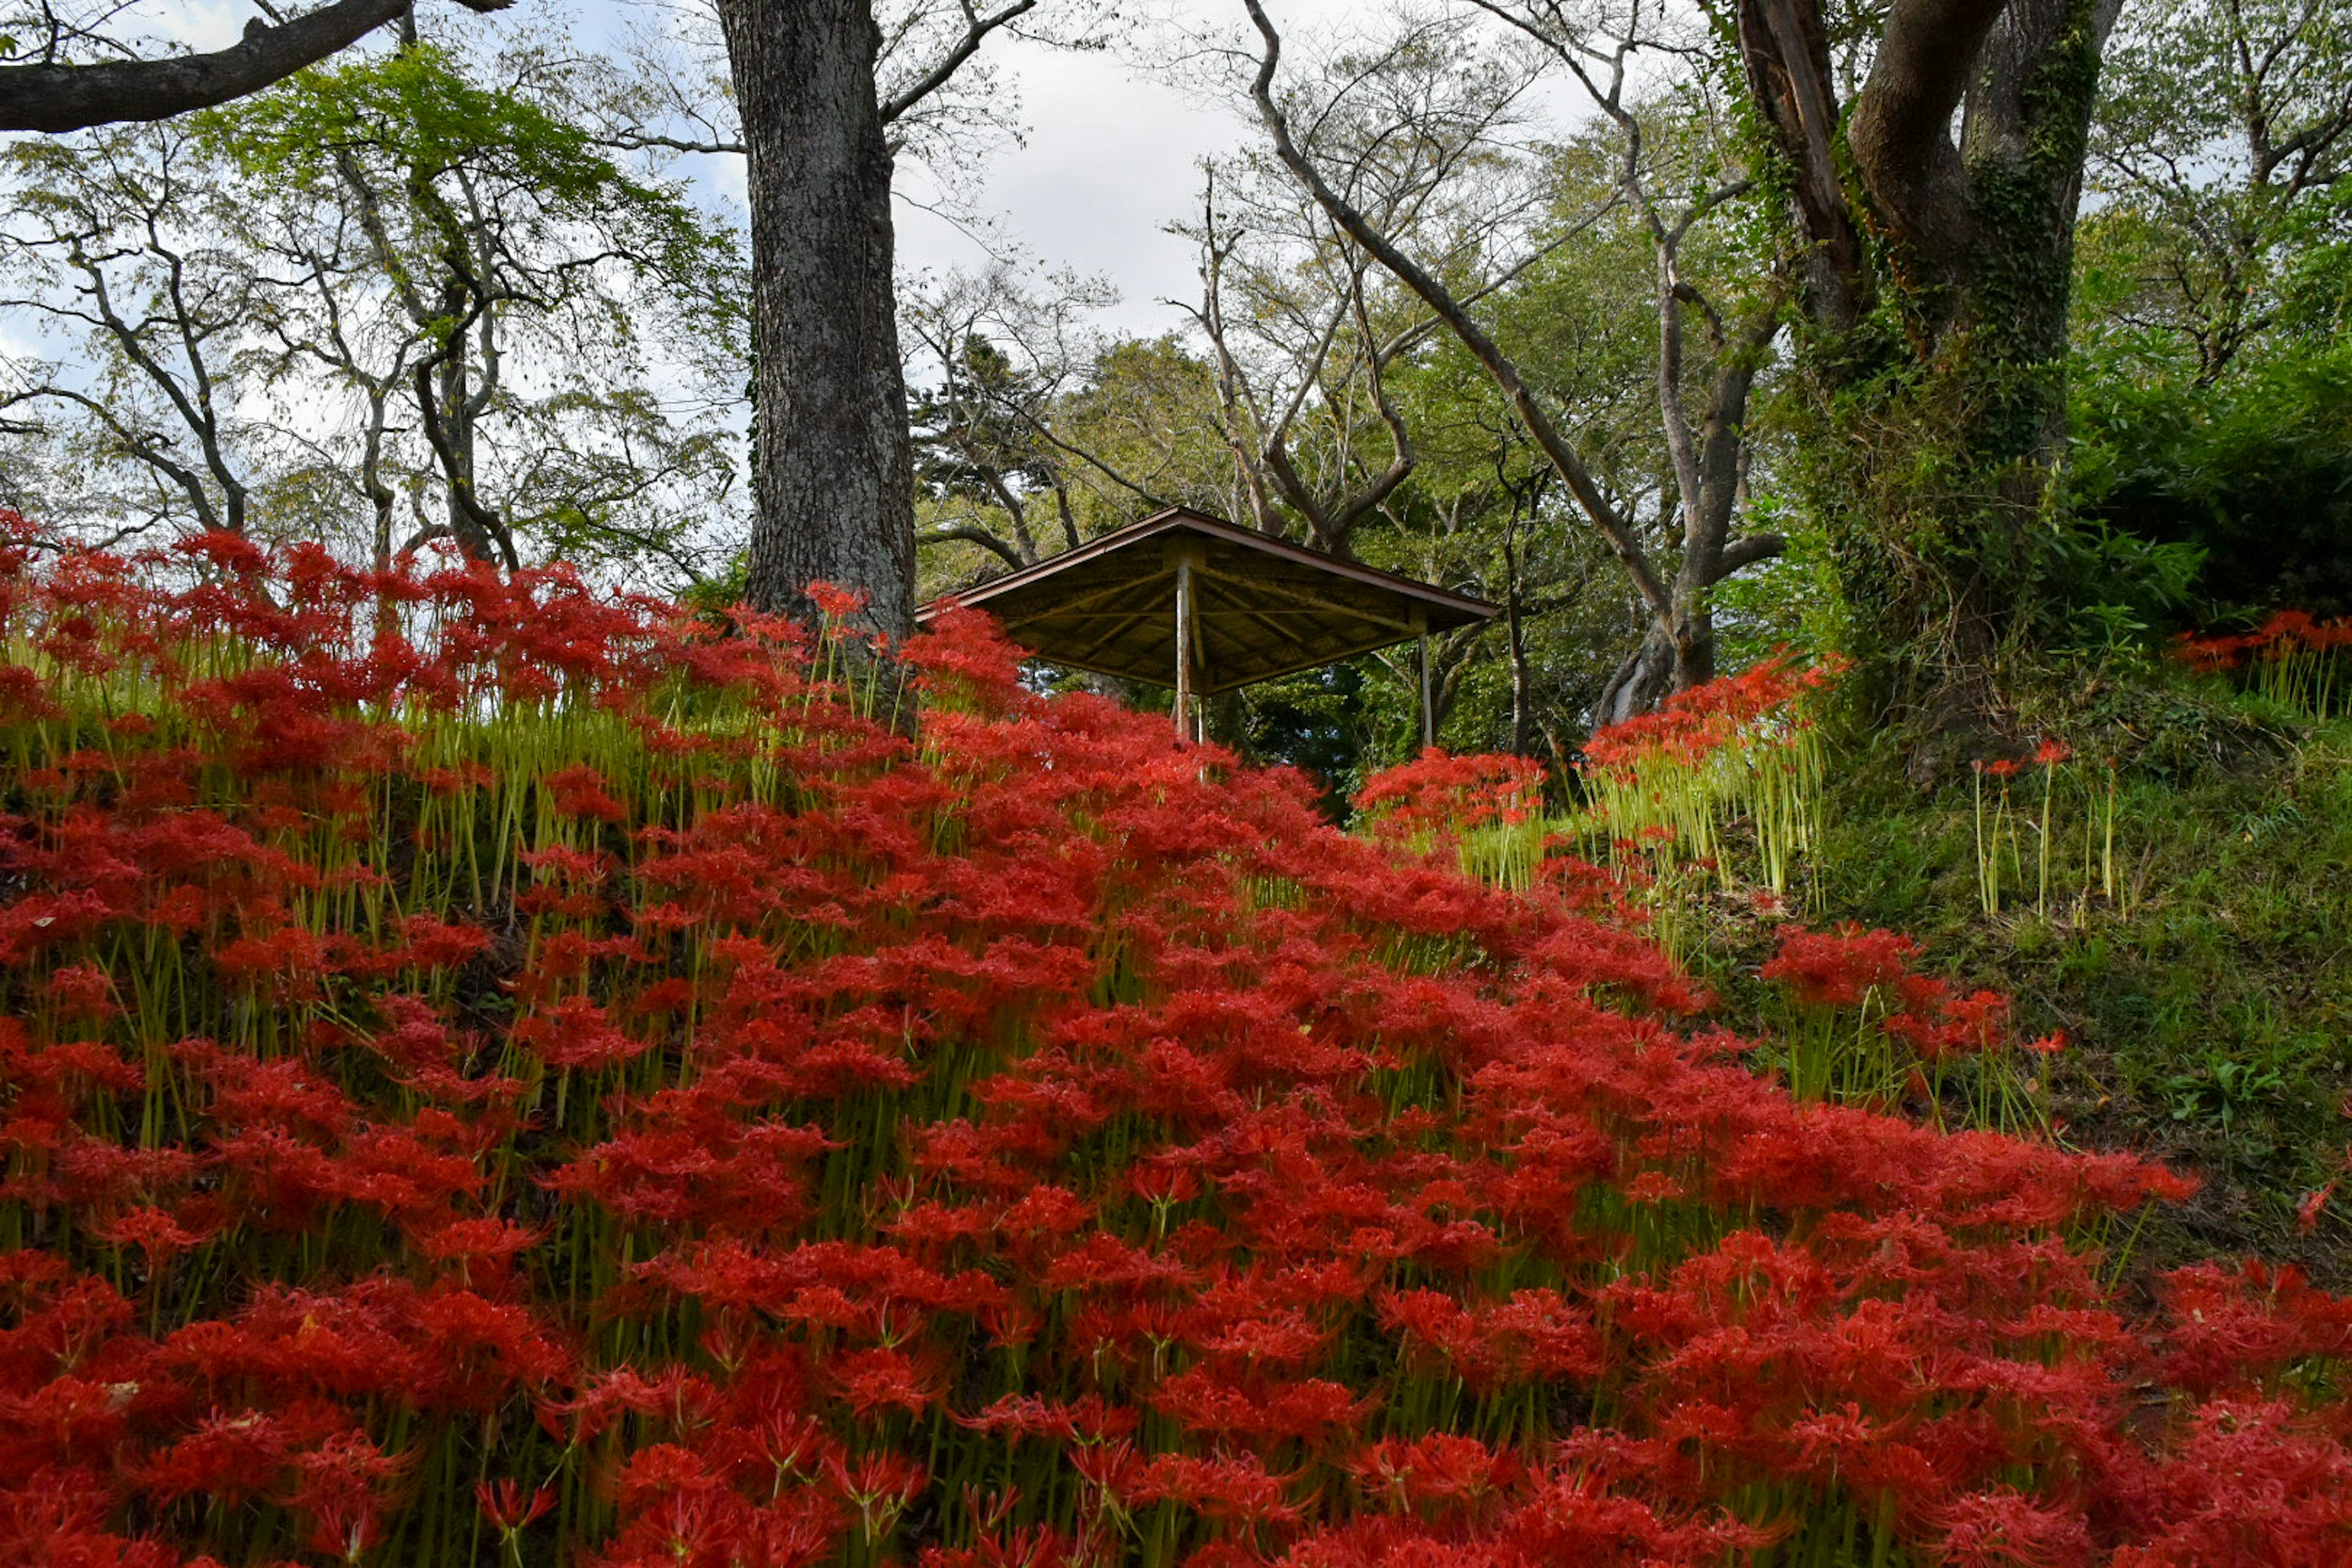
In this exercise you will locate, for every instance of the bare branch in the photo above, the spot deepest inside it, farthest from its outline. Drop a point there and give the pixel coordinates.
(975, 32)
(1747, 552)
(1581, 484)
(639, 140)
(60, 97)
(972, 535)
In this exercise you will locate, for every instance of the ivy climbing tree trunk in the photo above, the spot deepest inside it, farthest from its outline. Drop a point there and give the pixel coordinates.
(1936, 280)
(832, 477)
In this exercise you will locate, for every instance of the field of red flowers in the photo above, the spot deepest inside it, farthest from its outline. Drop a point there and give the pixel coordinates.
(494, 1073)
(2293, 659)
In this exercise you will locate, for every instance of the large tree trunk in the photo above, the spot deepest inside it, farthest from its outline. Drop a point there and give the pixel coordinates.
(1936, 352)
(831, 479)
(1664, 663)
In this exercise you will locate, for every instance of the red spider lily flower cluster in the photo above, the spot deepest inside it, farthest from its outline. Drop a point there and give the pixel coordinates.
(2048, 753)
(1439, 793)
(2294, 659)
(1689, 726)
(1849, 967)
(493, 1072)
(2287, 632)
(1664, 787)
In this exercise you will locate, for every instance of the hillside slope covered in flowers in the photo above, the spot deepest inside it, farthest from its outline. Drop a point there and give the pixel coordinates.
(489, 1073)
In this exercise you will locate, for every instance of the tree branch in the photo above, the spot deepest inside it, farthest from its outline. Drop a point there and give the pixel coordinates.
(1402, 458)
(55, 98)
(1747, 552)
(975, 32)
(1497, 365)
(1784, 54)
(971, 534)
(1900, 131)
(638, 141)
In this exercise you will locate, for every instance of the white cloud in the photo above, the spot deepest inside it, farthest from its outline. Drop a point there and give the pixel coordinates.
(1112, 157)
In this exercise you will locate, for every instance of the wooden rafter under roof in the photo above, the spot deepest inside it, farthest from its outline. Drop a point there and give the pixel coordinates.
(1260, 607)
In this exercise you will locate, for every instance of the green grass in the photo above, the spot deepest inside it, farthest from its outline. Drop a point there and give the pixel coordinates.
(2208, 1004)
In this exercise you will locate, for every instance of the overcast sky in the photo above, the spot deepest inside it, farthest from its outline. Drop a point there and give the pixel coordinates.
(1110, 157)
(1111, 153)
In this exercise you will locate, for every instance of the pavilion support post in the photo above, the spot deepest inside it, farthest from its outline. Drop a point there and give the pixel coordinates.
(1428, 708)
(1185, 647)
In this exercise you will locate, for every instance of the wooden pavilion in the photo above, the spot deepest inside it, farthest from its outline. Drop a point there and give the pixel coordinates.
(1242, 605)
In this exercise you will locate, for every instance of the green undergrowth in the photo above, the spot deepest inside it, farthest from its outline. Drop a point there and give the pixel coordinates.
(2205, 999)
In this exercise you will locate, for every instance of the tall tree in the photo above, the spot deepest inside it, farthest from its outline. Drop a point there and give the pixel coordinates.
(121, 239)
(493, 229)
(832, 482)
(1676, 169)
(1304, 329)
(406, 278)
(2222, 152)
(990, 468)
(1673, 579)
(2212, 373)
(1936, 278)
(1035, 432)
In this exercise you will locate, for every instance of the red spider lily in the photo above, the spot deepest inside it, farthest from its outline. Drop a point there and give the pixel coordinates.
(2005, 1529)
(810, 1124)
(581, 792)
(231, 1457)
(340, 1487)
(1235, 1489)
(2303, 1516)
(1311, 1410)
(837, 603)
(1836, 969)
(1087, 1421)
(2294, 658)
(83, 991)
(879, 1486)
(156, 1232)
(1436, 1475)
(508, 1508)
(2306, 1213)
(874, 1380)
(1443, 793)
(1690, 724)
(2285, 631)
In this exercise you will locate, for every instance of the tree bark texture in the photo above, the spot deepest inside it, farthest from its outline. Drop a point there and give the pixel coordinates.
(1939, 273)
(832, 470)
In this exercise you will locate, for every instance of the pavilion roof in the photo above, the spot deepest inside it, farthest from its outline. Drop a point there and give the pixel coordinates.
(1262, 606)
